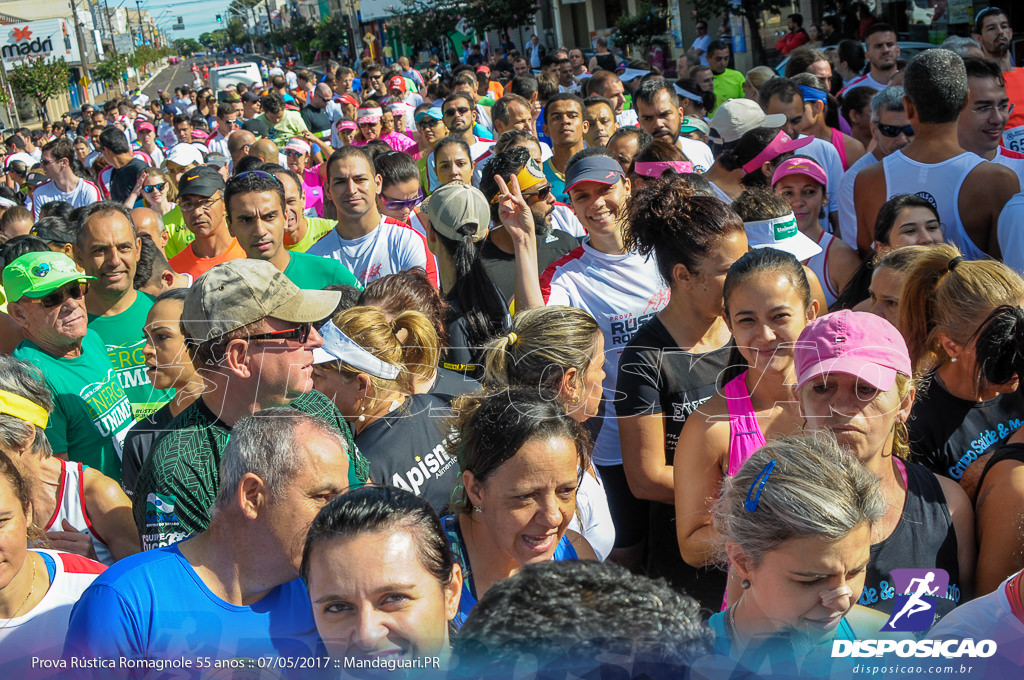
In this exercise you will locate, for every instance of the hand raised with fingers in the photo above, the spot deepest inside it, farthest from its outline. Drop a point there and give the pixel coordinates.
(513, 211)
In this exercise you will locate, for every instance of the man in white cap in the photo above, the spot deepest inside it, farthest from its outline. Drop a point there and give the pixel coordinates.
(732, 120)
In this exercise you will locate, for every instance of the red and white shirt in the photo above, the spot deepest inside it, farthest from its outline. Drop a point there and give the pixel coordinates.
(84, 193)
(621, 292)
(71, 506)
(390, 248)
(41, 631)
(1011, 159)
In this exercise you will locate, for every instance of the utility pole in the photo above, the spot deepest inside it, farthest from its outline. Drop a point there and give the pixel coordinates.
(270, 23)
(83, 53)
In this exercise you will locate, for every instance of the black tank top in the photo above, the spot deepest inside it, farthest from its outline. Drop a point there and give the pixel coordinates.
(924, 538)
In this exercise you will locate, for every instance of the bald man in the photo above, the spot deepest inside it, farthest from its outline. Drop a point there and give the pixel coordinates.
(266, 150)
(314, 113)
(149, 221)
(239, 144)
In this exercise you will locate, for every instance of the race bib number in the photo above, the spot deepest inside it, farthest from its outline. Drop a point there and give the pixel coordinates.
(1013, 139)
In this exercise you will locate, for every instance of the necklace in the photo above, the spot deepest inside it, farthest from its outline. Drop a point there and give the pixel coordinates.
(31, 587)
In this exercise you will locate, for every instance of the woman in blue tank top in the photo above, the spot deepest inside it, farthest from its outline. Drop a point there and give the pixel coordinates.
(853, 379)
(520, 457)
(800, 544)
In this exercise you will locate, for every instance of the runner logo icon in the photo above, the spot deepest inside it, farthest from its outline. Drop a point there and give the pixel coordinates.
(914, 607)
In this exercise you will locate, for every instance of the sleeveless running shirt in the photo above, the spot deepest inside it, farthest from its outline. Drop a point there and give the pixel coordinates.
(71, 506)
(745, 435)
(906, 176)
(819, 265)
(924, 538)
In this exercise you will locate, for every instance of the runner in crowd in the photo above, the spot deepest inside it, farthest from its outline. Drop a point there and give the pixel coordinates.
(154, 394)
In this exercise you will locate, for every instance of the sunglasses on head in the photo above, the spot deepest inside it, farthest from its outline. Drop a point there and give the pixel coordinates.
(461, 110)
(300, 333)
(74, 291)
(409, 204)
(895, 130)
(150, 188)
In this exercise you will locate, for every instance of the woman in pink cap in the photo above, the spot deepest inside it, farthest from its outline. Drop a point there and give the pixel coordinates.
(803, 183)
(854, 380)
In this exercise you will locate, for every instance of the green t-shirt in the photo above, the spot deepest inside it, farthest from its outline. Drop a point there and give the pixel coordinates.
(179, 481)
(91, 414)
(290, 125)
(316, 229)
(316, 273)
(180, 236)
(122, 334)
(728, 85)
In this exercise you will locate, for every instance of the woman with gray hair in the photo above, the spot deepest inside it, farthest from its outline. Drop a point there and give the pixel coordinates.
(82, 510)
(800, 543)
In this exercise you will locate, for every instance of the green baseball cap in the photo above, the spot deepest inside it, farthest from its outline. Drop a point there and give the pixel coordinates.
(36, 275)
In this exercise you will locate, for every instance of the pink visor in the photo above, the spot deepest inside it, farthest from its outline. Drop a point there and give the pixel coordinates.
(347, 125)
(780, 145)
(658, 168)
(368, 116)
(800, 166)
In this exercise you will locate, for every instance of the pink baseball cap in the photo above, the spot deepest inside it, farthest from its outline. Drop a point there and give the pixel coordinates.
(800, 166)
(855, 343)
(141, 125)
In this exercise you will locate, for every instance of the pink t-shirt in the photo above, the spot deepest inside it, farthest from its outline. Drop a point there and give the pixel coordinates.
(313, 188)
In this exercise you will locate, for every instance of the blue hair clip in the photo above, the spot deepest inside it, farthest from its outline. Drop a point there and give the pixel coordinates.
(759, 483)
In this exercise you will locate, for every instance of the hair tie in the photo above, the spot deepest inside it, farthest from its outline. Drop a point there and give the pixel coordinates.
(954, 262)
(512, 339)
(758, 485)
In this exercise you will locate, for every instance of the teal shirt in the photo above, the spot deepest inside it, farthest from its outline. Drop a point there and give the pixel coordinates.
(91, 414)
(122, 335)
(313, 272)
(557, 181)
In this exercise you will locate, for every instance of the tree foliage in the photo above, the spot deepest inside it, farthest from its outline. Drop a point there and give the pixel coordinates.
(111, 70)
(427, 21)
(186, 47)
(500, 15)
(643, 28)
(40, 79)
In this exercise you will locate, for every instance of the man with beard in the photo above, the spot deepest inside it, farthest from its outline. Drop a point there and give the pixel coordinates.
(992, 30)
(497, 253)
(657, 106)
(460, 115)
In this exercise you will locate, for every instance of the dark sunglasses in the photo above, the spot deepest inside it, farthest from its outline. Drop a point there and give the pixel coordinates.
(74, 291)
(461, 110)
(409, 204)
(300, 333)
(292, 153)
(150, 188)
(895, 130)
(427, 122)
(541, 194)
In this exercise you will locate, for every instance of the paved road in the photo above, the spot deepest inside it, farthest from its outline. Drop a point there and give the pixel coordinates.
(181, 74)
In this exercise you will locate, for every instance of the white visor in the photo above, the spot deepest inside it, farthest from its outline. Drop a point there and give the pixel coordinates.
(340, 347)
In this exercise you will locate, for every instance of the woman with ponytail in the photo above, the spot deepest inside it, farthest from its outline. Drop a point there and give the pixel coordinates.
(368, 366)
(960, 415)
(559, 351)
(1000, 503)
(673, 363)
(459, 216)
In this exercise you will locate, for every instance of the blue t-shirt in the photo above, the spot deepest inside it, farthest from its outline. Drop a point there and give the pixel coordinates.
(153, 605)
(557, 181)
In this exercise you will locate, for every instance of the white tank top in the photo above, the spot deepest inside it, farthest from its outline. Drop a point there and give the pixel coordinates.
(938, 183)
(819, 265)
(71, 506)
(593, 518)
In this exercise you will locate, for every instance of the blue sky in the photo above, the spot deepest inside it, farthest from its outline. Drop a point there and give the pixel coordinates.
(199, 16)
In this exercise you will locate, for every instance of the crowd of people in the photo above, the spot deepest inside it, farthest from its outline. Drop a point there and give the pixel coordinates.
(526, 361)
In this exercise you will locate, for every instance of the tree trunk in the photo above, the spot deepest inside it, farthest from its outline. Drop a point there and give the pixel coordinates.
(756, 47)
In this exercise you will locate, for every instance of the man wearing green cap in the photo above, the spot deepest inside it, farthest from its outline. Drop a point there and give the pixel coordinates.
(91, 415)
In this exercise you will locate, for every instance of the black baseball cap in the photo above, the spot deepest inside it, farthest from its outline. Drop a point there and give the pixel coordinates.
(250, 97)
(201, 180)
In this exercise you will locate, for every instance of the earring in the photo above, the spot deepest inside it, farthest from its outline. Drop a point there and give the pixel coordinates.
(952, 360)
(480, 510)
(745, 584)
(362, 416)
